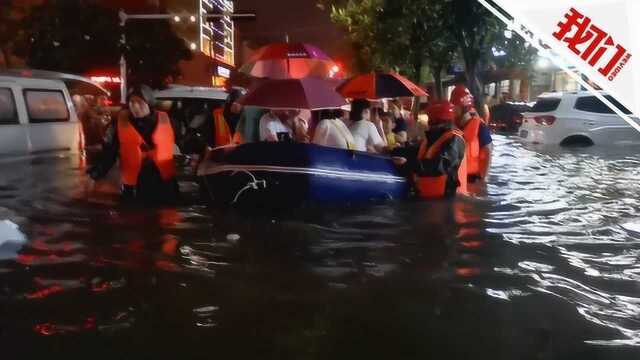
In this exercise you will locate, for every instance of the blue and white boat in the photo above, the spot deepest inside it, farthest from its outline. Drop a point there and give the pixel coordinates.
(291, 174)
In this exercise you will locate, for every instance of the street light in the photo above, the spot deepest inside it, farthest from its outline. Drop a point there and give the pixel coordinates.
(176, 19)
(192, 18)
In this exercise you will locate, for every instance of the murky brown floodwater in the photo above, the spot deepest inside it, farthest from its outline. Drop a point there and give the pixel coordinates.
(543, 266)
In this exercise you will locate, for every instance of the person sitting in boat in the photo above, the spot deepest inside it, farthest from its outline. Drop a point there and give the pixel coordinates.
(273, 126)
(331, 131)
(388, 124)
(440, 165)
(365, 130)
(298, 121)
(143, 140)
(399, 117)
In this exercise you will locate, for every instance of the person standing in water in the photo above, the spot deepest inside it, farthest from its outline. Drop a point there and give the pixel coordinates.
(142, 139)
(440, 167)
(477, 136)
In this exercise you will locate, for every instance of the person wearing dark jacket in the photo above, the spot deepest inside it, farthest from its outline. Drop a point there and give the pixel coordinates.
(142, 140)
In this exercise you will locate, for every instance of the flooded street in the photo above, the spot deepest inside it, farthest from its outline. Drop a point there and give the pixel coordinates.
(543, 265)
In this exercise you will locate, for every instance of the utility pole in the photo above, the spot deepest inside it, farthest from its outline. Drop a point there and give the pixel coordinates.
(124, 17)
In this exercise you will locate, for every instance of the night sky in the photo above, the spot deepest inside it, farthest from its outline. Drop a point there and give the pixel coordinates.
(301, 19)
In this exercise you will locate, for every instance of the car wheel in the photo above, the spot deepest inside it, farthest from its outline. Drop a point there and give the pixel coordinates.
(577, 141)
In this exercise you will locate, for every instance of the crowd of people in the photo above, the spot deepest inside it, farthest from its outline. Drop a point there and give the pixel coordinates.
(446, 146)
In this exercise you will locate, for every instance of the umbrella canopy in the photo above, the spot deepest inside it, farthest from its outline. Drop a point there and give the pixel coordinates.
(308, 93)
(290, 61)
(378, 85)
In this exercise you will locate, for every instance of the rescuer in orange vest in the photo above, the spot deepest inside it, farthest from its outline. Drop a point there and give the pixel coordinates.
(477, 136)
(142, 139)
(440, 168)
(225, 120)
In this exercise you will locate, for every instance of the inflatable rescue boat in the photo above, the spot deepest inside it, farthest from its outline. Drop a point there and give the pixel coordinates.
(291, 174)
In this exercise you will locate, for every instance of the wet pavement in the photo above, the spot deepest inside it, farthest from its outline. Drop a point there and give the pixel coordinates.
(543, 264)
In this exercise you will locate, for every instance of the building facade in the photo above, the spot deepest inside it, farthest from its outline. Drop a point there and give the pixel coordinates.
(212, 41)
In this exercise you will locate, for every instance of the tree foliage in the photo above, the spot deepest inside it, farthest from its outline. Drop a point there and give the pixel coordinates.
(406, 35)
(12, 36)
(79, 36)
(476, 31)
(401, 35)
(359, 19)
(518, 53)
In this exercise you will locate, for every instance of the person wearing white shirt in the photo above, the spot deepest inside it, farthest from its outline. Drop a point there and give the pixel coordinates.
(366, 134)
(272, 128)
(332, 132)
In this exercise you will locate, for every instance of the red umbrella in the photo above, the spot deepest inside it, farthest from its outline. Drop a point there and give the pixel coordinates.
(290, 61)
(376, 85)
(308, 93)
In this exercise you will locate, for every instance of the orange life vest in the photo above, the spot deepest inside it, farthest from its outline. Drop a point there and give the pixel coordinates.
(434, 187)
(222, 133)
(472, 141)
(132, 155)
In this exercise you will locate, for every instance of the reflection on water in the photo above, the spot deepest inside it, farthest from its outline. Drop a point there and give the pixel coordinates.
(543, 264)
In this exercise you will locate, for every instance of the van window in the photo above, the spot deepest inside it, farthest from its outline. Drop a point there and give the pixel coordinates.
(594, 105)
(8, 113)
(46, 106)
(546, 105)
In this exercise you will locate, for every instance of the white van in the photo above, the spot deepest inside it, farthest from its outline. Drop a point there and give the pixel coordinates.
(36, 115)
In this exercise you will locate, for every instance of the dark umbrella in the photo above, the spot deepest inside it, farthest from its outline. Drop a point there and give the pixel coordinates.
(377, 85)
(309, 93)
(290, 61)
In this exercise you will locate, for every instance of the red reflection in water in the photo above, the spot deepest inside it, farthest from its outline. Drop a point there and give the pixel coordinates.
(169, 217)
(167, 265)
(468, 272)
(48, 329)
(40, 294)
(465, 213)
(169, 245)
(474, 244)
(25, 259)
(101, 287)
(45, 329)
(468, 231)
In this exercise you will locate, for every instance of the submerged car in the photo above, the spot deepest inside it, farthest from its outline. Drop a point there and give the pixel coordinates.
(508, 117)
(189, 107)
(576, 118)
(36, 115)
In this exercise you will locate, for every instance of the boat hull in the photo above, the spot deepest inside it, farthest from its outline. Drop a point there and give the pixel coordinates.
(290, 174)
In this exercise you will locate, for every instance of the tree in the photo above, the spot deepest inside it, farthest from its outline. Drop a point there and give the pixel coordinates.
(517, 52)
(153, 52)
(404, 36)
(358, 18)
(11, 33)
(476, 31)
(72, 36)
(79, 36)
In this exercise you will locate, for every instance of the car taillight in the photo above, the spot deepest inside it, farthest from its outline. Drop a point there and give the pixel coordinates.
(547, 120)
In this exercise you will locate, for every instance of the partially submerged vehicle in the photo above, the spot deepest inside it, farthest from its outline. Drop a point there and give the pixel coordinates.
(37, 115)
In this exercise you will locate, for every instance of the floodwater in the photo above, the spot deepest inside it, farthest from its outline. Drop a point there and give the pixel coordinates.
(543, 264)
